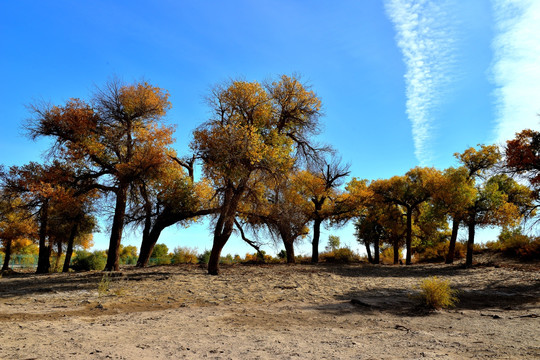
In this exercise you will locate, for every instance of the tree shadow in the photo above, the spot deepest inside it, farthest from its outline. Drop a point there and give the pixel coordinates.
(22, 284)
(393, 271)
(401, 302)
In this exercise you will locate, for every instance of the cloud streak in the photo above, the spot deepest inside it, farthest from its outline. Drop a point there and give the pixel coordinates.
(516, 66)
(426, 39)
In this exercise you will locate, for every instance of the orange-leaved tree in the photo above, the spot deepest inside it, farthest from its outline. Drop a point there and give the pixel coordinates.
(16, 223)
(117, 139)
(40, 186)
(522, 157)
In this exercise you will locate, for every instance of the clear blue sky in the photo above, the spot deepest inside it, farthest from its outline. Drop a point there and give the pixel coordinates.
(403, 83)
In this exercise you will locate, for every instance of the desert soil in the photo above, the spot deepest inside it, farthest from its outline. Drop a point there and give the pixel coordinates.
(270, 312)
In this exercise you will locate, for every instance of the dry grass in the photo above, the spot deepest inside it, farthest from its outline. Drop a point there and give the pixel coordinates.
(436, 293)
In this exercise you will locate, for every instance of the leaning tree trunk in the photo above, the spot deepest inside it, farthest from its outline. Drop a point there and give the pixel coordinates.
(117, 229)
(376, 249)
(69, 250)
(43, 258)
(368, 251)
(409, 237)
(215, 255)
(470, 244)
(453, 239)
(148, 243)
(224, 227)
(316, 239)
(7, 256)
(221, 236)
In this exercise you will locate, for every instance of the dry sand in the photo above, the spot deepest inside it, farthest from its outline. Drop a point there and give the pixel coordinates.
(270, 312)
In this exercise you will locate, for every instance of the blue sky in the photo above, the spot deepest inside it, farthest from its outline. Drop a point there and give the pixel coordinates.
(403, 83)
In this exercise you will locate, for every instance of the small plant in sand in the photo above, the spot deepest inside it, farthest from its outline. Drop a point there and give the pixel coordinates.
(105, 284)
(436, 293)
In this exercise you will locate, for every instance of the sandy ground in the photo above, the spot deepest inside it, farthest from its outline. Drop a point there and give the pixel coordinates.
(270, 312)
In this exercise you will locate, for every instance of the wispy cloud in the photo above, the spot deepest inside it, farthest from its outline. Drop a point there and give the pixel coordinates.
(516, 66)
(426, 38)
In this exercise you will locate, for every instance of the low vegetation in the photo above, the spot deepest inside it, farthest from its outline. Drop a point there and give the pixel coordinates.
(436, 293)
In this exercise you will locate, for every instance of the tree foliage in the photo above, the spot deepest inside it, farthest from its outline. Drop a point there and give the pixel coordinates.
(118, 138)
(254, 133)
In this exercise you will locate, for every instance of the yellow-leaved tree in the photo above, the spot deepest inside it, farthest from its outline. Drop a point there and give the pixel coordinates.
(255, 131)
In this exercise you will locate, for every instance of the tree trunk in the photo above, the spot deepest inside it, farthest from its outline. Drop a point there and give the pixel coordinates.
(43, 258)
(453, 239)
(69, 250)
(368, 251)
(148, 243)
(377, 251)
(117, 229)
(289, 249)
(470, 244)
(316, 238)
(7, 256)
(58, 255)
(224, 227)
(396, 251)
(215, 254)
(409, 237)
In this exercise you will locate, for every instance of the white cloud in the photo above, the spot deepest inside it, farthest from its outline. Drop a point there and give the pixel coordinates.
(516, 66)
(426, 38)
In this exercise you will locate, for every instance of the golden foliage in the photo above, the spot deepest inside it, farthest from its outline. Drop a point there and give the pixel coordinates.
(436, 293)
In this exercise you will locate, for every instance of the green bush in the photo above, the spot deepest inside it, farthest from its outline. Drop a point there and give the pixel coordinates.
(342, 255)
(160, 255)
(227, 260)
(204, 258)
(85, 260)
(128, 255)
(437, 294)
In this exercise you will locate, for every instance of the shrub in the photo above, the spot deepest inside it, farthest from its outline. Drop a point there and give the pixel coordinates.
(436, 293)
(438, 252)
(530, 251)
(204, 258)
(257, 257)
(184, 255)
(128, 255)
(160, 250)
(512, 242)
(387, 255)
(342, 255)
(227, 260)
(493, 245)
(104, 284)
(160, 255)
(303, 259)
(85, 260)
